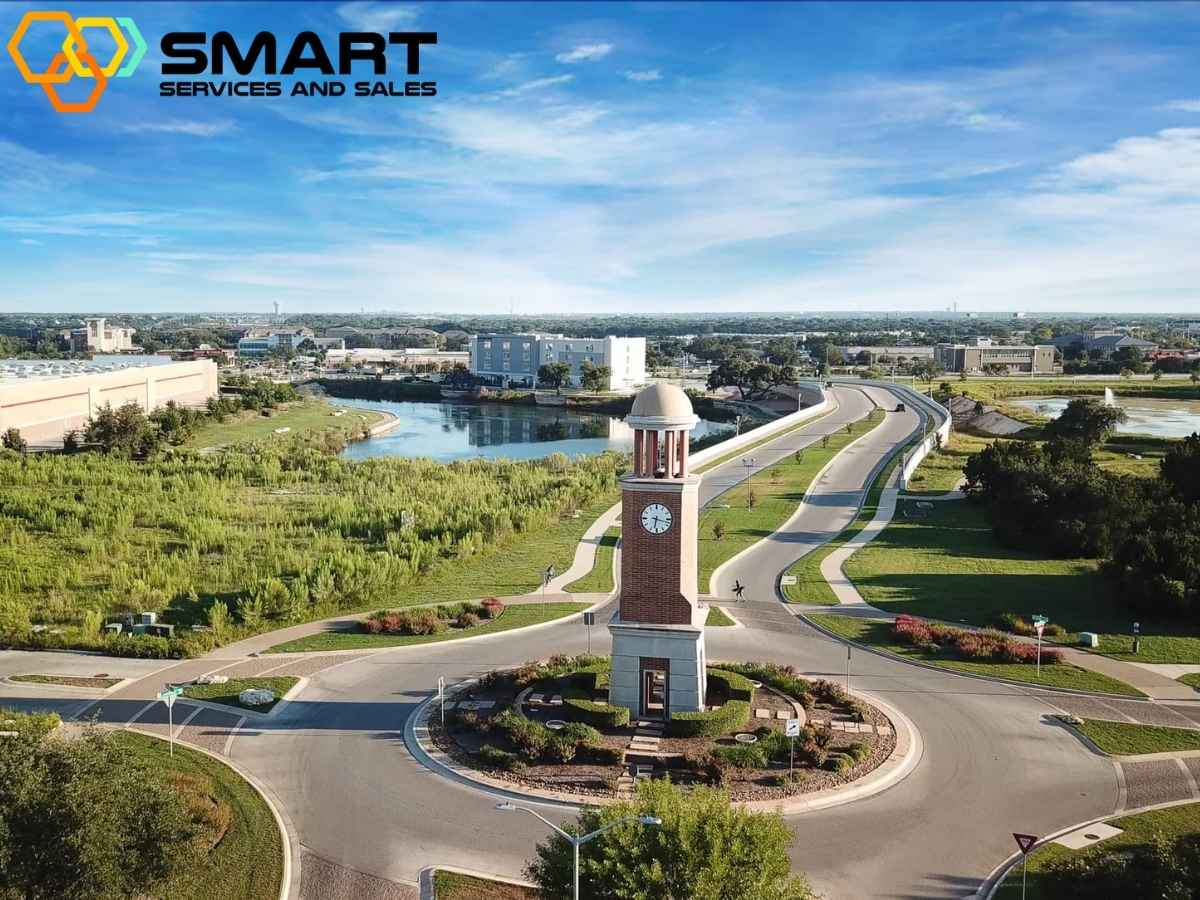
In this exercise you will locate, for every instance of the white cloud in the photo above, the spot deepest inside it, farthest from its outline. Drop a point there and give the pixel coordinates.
(646, 75)
(382, 17)
(1165, 164)
(1191, 106)
(182, 126)
(961, 104)
(585, 53)
(536, 84)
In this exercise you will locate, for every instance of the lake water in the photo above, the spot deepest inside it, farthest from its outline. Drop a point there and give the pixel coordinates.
(1161, 418)
(446, 431)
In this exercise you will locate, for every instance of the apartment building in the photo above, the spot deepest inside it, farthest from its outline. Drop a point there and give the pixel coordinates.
(513, 360)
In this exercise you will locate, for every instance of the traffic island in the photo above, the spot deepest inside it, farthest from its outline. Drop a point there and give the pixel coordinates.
(546, 730)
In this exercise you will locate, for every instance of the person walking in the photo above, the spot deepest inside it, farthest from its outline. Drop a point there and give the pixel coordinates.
(738, 588)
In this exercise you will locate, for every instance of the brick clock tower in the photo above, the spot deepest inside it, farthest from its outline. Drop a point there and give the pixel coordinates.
(658, 632)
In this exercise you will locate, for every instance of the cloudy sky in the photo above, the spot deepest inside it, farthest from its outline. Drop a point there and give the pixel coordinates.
(615, 157)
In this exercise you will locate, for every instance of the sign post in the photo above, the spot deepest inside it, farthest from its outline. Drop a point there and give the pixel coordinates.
(442, 697)
(1025, 842)
(1137, 640)
(589, 619)
(792, 730)
(169, 696)
(1039, 623)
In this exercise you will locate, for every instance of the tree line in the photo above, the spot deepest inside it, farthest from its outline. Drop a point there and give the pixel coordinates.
(1055, 499)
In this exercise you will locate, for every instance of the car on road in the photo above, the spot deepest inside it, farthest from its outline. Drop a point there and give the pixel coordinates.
(900, 407)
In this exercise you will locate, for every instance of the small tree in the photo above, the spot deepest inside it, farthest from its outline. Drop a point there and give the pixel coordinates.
(218, 619)
(799, 456)
(12, 440)
(1085, 420)
(555, 375)
(705, 849)
(825, 440)
(593, 377)
(718, 530)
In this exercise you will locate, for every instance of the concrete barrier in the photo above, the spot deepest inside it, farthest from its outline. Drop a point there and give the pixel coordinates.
(783, 423)
(928, 407)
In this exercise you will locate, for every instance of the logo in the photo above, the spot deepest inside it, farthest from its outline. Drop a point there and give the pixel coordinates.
(75, 60)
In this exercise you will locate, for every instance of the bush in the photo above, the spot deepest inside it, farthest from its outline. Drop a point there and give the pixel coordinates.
(501, 759)
(592, 712)
(467, 620)
(492, 607)
(839, 763)
(783, 678)
(582, 734)
(602, 756)
(988, 645)
(774, 743)
(811, 754)
(857, 751)
(734, 685)
(531, 738)
(743, 756)
(560, 748)
(709, 723)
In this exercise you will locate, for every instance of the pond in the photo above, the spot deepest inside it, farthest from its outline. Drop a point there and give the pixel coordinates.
(446, 431)
(1160, 418)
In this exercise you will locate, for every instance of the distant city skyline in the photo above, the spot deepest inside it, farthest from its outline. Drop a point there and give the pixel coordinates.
(607, 158)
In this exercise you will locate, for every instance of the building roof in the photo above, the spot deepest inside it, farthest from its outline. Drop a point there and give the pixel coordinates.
(662, 400)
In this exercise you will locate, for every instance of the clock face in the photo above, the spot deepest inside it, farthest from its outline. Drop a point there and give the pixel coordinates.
(656, 518)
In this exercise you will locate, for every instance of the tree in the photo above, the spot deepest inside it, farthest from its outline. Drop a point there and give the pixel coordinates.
(125, 430)
(1180, 468)
(555, 375)
(593, 377)
(705, 849)
(118, 829)
(13, 440)
(927, 370)
(1085, 420)
(754, 380)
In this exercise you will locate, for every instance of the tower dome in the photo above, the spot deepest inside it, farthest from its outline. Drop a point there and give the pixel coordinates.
(662, 406)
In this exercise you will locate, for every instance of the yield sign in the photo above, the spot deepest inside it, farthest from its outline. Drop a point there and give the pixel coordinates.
(1025, 841)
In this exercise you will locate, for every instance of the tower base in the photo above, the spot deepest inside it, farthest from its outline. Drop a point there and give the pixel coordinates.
(657, 670)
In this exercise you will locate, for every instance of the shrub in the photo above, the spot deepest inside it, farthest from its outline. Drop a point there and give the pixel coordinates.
(857, 751)
(782, 678)
(500, 759)
(602, 756)
(709, 723)
(592, 712)
(811, 754)
(492, 607)
(561, 748)
(793, 779)
(821, 735)
(425, 621)
(735, 686)
(467, 620)
(775, 744)
(743, 756)
(582, 734)
(839, 763)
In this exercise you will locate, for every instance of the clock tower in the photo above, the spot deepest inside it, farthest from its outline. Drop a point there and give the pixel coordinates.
(658, 632)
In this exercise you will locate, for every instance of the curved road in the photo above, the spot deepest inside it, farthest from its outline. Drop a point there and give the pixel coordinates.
(369, 818)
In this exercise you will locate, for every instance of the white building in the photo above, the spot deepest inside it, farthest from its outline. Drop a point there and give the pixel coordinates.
(261, 341)
(97, 336)
(513, 360)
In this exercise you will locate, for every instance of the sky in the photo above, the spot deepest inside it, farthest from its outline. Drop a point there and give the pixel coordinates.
(613, 157)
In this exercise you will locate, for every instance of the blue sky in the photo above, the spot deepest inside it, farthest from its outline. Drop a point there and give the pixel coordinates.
(631, 157)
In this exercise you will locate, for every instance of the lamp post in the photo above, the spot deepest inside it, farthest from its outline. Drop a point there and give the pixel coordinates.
(577, 842)
(748, 462)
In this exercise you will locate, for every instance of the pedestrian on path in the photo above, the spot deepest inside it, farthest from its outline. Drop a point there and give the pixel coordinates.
(738, 588)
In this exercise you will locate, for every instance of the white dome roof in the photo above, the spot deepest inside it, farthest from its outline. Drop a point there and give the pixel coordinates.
(662, 401)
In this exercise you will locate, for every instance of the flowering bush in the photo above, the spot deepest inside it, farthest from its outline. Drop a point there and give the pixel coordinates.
(492, 607)
(987, 645)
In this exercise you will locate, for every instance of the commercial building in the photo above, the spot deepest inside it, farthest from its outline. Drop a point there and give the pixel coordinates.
(886, 355)
(260, 342)
(45, 400)
(513, 360)
(1023, 359)
(398, 338)
(97, 336)
(1101, 343)
(414, 359)
(220, 355)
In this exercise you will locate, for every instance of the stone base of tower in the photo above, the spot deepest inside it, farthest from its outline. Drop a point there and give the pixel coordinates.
(657, 669)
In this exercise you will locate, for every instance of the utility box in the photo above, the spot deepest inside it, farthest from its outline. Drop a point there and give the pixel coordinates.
(163, 631)
(1089, 639)
(147, 618)
(113, 628)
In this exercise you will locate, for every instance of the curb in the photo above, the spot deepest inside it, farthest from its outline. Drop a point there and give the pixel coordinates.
(280, 703)
(288, 841)
(909, 750)
(1076, 692)
(425, 878)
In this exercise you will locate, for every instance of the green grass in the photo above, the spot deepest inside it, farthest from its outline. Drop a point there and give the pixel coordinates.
(778, 491)
(455, 886)
(512, 617)
(945, 563)
(600, 579)
(227, 693)
(942, 470)
(717, 618)
(993, 390)
(1136, 830)
(878, 634)
(1123, 739)
(811, 586)
(248, 862)
(720, 460)
(304, 416)
(1192, 679)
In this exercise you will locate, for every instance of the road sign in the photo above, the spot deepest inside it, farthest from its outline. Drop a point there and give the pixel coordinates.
(442, 697)
(169, 697)
(792, 729)
(1025, 841)
(787, 580)
(589, 618)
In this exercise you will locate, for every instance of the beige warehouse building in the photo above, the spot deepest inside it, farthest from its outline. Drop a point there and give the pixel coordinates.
(45, 400)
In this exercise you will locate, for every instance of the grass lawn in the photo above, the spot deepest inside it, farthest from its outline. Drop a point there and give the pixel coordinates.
(878, 634)
(600, 579)
(992, 390)
(512, 617)
(717, 618)
(305, 415)
(811, 586)
(453, 886)
(98, 681)
(1137, 830)
(778, 491)
(1192, 679)
(945, 563)
(1123, 739)
(704, 467)
(227, 693)
(942, 470)
(247, 864)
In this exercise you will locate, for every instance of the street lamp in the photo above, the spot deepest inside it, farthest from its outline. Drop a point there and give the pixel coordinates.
(577, 842)
(748, 462)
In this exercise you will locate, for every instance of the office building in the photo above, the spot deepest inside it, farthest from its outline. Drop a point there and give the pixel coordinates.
(1023, 359)
(513, 360)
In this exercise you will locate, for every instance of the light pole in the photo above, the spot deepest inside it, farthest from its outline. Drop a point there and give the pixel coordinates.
(577, 842)
(748, 462)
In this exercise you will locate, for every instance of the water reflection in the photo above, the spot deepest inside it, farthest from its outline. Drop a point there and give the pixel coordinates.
(448, 431)
(1161, 418)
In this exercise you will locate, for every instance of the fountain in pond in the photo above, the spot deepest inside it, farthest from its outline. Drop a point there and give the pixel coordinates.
(1110, 399)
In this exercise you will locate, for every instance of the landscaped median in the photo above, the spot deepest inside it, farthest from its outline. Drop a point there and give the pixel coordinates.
(458, 886)
(227, 693)
(968, 652)
(732, 523)
(718, 618)
(1124, 739)
(428, 625)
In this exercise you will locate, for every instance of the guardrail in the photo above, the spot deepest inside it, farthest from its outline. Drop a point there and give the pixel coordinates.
(791, 420)
(928, 407)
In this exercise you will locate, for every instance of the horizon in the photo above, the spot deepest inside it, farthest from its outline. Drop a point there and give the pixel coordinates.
(624, 157)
